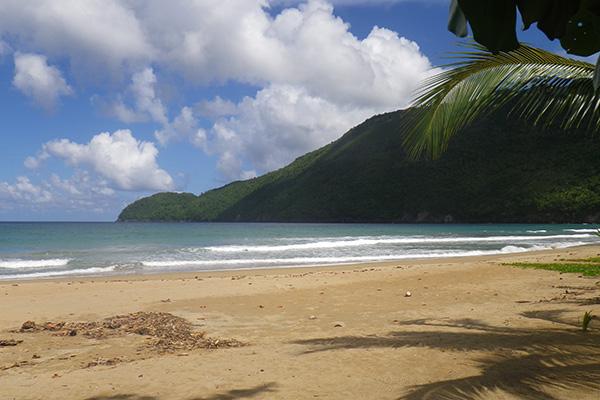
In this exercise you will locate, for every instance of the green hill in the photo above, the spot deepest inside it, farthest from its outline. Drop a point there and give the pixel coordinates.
(497, 170)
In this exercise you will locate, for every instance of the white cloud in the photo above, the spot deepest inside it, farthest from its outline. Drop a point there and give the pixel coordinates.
(314, 78)
(278, 125)
(184, 126)
(216, 40)
(74, 194)
(147, 104)
(24, 191)
(306, 46)
(97, 36)
(218, 107)
(125, 162)
(319, 81)
(38, 80)
(357, 2)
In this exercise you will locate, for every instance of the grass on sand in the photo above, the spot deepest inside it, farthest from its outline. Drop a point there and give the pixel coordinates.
(587, 267)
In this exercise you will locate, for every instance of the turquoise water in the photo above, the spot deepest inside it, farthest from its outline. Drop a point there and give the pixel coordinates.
(38, 250)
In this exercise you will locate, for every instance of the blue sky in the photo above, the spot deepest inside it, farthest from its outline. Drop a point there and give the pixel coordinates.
(107, 101)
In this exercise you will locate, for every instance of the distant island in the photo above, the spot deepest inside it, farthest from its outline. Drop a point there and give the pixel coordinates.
(498, 170)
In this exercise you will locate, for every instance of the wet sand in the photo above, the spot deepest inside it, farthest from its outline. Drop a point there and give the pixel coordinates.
(471, 329)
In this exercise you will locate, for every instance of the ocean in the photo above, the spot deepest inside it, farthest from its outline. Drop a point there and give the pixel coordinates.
(52, 249)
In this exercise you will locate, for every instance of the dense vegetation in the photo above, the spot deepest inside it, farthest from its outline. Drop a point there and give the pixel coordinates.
(496, 170)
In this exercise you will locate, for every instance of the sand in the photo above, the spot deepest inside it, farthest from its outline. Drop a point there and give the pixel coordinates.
(471, 329)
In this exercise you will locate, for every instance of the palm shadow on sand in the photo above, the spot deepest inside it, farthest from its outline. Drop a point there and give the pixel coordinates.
(234, 394)
(524, 363)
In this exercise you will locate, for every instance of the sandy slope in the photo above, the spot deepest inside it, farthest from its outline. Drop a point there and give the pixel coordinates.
(473, 328)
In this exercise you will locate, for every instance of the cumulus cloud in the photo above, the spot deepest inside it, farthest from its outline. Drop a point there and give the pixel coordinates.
(81, 191)
(183, 126)
(146, 103)
(319, 80)
(24, 191)
(218, 41)
(314, 78)
(307, 46)
(96, 36)
(42, 82)
(280, 123)
(125, 162)
(356, 2)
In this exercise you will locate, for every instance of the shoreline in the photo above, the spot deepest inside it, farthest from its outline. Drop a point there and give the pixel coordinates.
(141, 275)
(470, 327)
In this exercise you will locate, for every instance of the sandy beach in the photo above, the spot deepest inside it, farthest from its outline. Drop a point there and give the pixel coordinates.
(472, 328)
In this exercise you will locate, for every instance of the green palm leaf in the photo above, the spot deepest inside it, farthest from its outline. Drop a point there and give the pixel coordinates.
(534, 84)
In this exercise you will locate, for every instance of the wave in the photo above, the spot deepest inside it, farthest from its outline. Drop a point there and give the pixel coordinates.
(54, 274)
(538, 231)
(372, 242)
(581, 230)
(22, 264)
(350, 259)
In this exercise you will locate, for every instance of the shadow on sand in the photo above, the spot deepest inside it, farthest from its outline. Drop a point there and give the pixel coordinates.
(234, 394)
(524, 363)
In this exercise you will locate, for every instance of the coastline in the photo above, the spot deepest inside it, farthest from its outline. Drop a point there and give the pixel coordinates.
(470, 324)
(174, 275)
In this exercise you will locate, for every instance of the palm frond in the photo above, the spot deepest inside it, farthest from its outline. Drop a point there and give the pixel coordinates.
(535, 84)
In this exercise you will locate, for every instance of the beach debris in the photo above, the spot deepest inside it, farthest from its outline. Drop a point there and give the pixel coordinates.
(339, 324)
(167, 332)
(408, 294)
(28, 326)
(312, 317)
(9, 342)
(15, 365)
(165, 301)
(103, 361)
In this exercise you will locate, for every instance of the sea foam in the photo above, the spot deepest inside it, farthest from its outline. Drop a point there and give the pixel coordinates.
(381, 241)
(23, 264)
(349, 259)
(55, 274)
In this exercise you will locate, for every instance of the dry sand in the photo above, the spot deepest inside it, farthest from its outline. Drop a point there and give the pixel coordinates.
(472, 329)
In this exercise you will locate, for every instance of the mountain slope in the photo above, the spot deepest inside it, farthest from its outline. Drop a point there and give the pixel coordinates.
(498, 170)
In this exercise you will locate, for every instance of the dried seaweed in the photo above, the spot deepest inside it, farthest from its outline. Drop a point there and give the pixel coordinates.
(9, 342)
(168, 332)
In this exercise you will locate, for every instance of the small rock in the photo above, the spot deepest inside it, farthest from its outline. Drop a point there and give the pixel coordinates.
(312, 317)
(28, 326)
(407, 294)
(339, 325)
(36, 356)
(166, 301)
(9, 342)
